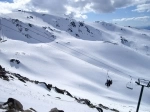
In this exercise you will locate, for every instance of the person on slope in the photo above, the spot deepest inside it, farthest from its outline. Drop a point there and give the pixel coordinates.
(108, 83)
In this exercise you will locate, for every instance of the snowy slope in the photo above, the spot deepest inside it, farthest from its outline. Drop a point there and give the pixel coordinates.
(75, 56)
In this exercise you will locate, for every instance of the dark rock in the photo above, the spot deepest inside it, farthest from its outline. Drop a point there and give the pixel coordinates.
(7, 79)
(58, 97)
(87, 29)
(2, 73)
(114, 110)
(70, 30)
(81, 24)
(26, 29)
(56, 110)
(73, 24)
(123, 40)
(84, 101)
(33, 109)
(17, 61)
(1, 67)
(36, 82)
(22, 80)
(25, 78)
(17, 75)
(92, 106)
(11, 77)
(48, 95)
(30, 25)
(99, 109)
(31, 17)
(12, 60)
(104, 107)
(49, 86)
(69, 94)
(77, 35)
(57, 25)
(59, 90)
(76, 98)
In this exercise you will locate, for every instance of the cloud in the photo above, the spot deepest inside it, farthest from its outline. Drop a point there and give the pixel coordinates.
(78, 8)
(143, 8)
(144, 18)
(6, 7)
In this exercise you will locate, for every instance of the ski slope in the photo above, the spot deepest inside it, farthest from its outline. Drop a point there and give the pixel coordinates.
(74, 56)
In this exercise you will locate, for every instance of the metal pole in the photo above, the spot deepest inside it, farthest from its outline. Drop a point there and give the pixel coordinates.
(140, 99)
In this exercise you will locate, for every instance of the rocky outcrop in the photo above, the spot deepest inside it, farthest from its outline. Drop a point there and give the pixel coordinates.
(87, 102)
(15, 61)
(55, 110)
(3, 74)
(59, 90)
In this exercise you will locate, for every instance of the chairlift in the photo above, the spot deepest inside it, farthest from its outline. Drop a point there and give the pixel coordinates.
(129, 85)
(108, 81)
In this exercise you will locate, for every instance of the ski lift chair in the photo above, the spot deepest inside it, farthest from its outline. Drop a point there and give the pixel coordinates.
(108, 79)
(129, 85)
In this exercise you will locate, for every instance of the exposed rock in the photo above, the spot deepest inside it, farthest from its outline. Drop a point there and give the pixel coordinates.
(68, 94)
(59, 90)
(22, 80)
(84, 101)
(58, 97)
(49, 86)
(27, 111)
(99, 109)
(104, 107)
(36, 82)
(73, 24)
(56, 110)
(114, 110)
(33, 109)
(15, 60)
(12, 110)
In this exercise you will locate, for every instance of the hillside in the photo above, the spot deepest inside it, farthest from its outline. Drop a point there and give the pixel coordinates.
(74, 56)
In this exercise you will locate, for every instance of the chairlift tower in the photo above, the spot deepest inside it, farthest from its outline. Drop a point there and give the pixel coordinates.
(143, 83)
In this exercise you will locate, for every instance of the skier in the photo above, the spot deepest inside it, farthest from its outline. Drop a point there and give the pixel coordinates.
(108, 83)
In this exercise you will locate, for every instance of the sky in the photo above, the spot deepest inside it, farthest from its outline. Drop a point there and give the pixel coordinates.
(134, 13)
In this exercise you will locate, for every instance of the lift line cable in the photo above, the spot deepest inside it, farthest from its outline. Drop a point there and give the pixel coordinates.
(80, 52)
(68, 48)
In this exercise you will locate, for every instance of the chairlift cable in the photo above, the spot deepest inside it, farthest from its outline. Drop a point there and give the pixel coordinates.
(87, 55)
(66, 47)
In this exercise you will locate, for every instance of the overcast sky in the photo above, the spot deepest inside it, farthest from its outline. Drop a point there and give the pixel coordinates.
(124, 12)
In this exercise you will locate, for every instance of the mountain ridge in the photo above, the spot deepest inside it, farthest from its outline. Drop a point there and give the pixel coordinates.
(66, 52)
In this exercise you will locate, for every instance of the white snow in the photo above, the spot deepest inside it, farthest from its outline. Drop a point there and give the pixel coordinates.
(78, 64)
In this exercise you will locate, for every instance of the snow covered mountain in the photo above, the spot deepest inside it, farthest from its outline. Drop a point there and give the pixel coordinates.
(75, 56)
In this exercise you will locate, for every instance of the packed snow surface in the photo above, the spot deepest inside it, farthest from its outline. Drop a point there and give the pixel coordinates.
(76, 56)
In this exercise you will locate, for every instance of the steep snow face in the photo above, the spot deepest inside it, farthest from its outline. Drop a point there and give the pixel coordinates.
(76, 56)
